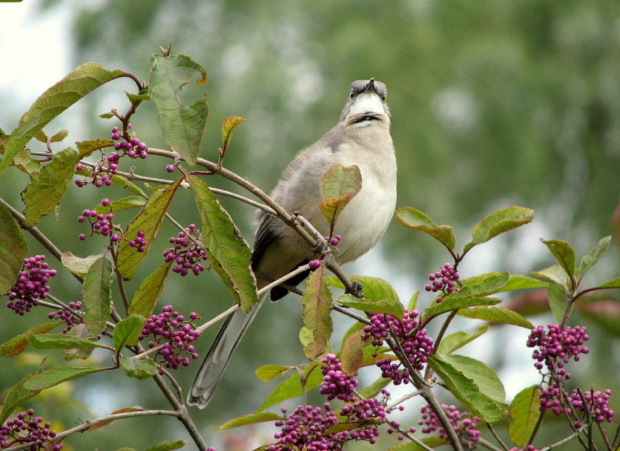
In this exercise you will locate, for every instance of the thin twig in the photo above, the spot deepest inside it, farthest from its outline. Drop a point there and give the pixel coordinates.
(290, 275)
(219, 317)
(488, 445)
(497, 437)
(349, 313)
(564, 440)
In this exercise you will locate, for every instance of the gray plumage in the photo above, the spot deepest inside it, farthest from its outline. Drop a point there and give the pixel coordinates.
(361, 138)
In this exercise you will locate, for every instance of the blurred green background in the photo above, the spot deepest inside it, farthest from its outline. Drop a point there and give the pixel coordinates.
(494, 103)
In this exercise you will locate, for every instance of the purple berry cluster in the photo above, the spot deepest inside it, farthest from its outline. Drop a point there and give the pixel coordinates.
(69, 316)
(416, 345)
(175, 334)
(107, 166)
(186, 253)
(443, 281)
(527, 448)
(305, 429)
(139, 242)
(556, 346)
(99, 223)
(464, 426)
(31, 285)
(26, 428)
(371, 412)
(336, 383)
(596, 404)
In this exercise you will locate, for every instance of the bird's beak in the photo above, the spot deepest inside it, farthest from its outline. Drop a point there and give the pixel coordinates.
(371, 86)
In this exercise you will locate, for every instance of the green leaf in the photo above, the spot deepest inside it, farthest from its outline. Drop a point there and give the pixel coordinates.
(339, 185)
(229, 125)
(122, 204)
(374, 289)
(148, 293)
(483, 376)
(79, 331)
(126, 332)
(496, 315)
(48, 188)
(593, 256)
(56, 376)
(340, 181)
(413, 302)
(372, 355)
(292, 387)
(53, 102)
(459, 339)
(86, 148)
(388, 306)
(499, 222)
(317, 302)
(16, 397)
(416, 220)
(554, 273)
(183, 126)
(59, 136)
(375, 388)
(352, 353)
(557, 301)
(13, 250)
(55, 341)
(226, 248)
(149, 220)
(455, 302)
(268, 372)
(356, 326)
(19, 343)
(252, 418)
(518, 282)
(96, 294)
(24, 162)
(484, 284)
(135, 98)
(466, 391)
(524, 412)
(564, 254)
(78, 265)
(138, 367)
(615, 283)
(167, 446)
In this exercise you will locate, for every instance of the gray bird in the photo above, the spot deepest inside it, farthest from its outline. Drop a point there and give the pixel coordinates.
(361, 138)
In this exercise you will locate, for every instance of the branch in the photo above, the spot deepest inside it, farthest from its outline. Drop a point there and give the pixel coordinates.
(105, 419)
(36, 233)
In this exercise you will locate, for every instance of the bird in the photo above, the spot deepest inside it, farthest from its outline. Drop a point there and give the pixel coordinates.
(361, 138)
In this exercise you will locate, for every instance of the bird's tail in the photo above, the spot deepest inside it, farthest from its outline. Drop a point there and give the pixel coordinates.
(219, 355)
